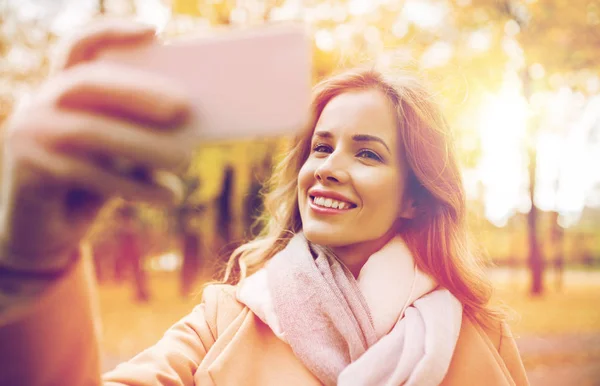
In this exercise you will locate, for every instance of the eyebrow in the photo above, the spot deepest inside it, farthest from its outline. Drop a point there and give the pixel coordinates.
(356, 137)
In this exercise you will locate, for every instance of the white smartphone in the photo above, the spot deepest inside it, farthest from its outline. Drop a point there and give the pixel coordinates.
(244, 84)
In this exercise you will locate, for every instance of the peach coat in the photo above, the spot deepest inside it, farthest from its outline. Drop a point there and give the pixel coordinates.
(51, 340)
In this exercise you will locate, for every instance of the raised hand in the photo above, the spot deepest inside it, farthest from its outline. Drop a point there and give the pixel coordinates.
(64, 151)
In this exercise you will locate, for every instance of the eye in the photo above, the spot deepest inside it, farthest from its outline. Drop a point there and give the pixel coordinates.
(369, 154)
(321, 148)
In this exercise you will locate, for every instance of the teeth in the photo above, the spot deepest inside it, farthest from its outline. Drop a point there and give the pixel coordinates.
(330, 203)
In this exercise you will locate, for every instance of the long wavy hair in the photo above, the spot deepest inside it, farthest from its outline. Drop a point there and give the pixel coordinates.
(437, 236)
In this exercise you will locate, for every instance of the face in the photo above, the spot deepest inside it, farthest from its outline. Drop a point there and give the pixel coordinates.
(351, 187)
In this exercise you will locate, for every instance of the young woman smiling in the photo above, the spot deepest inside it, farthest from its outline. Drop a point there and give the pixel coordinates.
(363, 275)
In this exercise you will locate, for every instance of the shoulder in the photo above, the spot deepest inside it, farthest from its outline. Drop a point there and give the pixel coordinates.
(490, 347)
(498, 333)
(221, 306)
(495, 333)
(506, 345)
(215, 292)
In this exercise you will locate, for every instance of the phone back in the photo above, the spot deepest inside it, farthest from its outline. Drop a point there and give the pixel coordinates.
(244, 83)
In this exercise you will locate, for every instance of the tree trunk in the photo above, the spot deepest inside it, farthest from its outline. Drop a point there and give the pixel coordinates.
(536, 263)
(557, 240)
(191, 261)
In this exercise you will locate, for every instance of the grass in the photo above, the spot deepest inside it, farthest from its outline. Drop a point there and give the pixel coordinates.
(574, 311)
(572, 308)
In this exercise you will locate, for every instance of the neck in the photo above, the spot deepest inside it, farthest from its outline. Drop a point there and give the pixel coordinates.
(354, 256)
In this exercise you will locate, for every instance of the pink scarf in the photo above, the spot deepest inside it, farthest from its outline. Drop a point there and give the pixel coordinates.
(390, 326)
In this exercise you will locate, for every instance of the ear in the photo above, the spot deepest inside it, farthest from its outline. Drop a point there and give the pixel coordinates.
(408, 209)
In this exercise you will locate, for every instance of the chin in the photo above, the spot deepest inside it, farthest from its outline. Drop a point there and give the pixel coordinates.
(325, 238)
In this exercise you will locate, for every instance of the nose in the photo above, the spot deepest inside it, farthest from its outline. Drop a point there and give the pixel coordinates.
(333, 170)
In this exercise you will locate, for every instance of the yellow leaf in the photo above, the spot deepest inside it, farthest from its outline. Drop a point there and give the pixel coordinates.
(185, 7)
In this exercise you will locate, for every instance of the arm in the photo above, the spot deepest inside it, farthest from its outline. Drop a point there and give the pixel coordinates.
(173, 361)
(175, 358)
(49, 337)
(47, 330)
(54, 184)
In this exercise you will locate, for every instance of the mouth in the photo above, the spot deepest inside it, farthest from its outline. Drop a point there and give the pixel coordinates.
(329, 204)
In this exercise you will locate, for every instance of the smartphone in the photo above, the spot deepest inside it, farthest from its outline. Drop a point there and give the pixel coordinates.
(244, 84)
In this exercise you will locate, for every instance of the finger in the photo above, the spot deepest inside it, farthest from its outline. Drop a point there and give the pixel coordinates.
(122, 91)
(94, 136)
(61, 169)
(84, 45)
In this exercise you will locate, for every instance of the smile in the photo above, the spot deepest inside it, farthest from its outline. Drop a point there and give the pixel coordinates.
(330, 203)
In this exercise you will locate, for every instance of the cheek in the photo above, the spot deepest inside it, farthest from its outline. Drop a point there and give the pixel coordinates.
(306, 176)
(305, 181)
(379, 191)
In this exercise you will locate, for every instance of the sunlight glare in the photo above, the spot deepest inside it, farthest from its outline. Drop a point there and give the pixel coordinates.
(72, 15)
(400, 28)
(480, 41)
(502, 170)
(324, 40)
(153, 12)
(168, 262)
(579, 171)
(423, 13)
(437, 55)
(361, 7)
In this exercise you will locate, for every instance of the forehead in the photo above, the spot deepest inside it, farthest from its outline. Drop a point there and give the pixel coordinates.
(360, 112)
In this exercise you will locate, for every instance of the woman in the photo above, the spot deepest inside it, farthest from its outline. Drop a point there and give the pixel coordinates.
(362, 277)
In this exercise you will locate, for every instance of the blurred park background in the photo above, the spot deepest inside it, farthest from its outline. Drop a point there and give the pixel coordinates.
(520, 84)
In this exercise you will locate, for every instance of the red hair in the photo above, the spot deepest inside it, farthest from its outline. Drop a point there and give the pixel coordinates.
(437, 236)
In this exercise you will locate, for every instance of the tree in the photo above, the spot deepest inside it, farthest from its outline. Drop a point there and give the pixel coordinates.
(566, 44)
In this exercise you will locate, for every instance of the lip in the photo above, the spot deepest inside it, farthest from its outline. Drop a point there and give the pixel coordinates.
(326, 194)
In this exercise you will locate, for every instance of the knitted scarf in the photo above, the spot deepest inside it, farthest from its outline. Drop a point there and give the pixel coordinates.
(392, 325)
